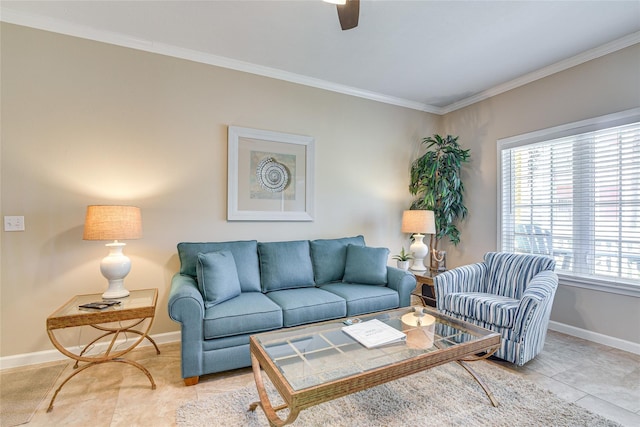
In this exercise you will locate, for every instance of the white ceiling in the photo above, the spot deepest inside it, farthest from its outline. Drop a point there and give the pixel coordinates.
(434, 56)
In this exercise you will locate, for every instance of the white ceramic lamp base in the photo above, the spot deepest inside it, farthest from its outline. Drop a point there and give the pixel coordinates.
(419, 251)
(115, 267)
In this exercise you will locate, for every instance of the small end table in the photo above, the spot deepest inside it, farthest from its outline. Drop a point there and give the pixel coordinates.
(426, 293)
(119, 319)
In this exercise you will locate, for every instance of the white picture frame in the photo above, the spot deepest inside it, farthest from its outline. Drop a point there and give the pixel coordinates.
(270, 176)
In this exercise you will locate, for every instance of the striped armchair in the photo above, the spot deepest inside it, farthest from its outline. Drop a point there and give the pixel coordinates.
(507, 293)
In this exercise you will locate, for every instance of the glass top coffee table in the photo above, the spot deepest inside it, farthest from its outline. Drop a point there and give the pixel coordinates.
(312, 364)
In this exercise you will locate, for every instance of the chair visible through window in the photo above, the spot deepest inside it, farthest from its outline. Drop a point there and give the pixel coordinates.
(533, 239)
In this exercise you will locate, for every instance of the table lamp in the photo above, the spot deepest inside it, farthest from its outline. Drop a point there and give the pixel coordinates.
(419, 222)
(113, 223)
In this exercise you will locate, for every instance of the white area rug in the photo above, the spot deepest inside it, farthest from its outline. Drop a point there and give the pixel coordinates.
(443, 396)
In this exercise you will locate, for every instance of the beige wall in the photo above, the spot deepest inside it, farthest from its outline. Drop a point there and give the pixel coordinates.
(86, 123)
(602, 86)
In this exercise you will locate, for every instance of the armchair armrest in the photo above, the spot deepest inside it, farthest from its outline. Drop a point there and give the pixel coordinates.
(535, 305)
(468, 278)
(402, 282)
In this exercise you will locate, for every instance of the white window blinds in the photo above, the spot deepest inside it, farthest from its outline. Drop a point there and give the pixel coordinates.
(576, 198)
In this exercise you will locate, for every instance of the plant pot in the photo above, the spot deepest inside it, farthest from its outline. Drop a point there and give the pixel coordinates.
(403, 265)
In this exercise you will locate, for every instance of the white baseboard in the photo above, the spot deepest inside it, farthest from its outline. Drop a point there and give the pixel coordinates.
(596, 337)
(26, 359)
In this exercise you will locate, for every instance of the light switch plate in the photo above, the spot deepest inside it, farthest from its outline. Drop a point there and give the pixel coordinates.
(13, 223)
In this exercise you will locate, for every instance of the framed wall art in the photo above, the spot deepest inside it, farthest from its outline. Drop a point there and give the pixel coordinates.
(270, 176)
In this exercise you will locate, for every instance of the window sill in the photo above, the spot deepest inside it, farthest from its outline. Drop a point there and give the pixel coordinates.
(609, 286)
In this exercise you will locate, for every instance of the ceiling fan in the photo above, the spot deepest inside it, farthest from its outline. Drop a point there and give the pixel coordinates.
(348, 12)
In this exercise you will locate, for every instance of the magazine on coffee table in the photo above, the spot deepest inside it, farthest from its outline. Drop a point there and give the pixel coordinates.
(374, 333)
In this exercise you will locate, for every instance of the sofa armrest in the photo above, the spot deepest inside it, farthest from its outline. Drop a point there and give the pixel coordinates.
(402, 282)
(535, 305)
(185, 294)
(186, 306)
(468, 278)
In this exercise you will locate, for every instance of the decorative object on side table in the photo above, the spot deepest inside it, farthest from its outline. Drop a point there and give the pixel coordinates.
(438, 260)
(105, 222)
(418, 222)
(403, 259)
(436, 180)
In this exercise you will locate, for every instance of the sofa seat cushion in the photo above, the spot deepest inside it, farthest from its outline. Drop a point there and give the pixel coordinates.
(248, 313)
(217, 277)
(285, 265)
(308, 305)
(364, 298)
(489, 308)
(329, 257)
(366, 265)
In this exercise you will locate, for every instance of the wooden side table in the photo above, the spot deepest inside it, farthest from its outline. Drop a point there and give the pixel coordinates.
(425, 290)
(132, 312)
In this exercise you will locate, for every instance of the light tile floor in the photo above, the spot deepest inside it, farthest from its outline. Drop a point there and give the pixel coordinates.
(602, 379)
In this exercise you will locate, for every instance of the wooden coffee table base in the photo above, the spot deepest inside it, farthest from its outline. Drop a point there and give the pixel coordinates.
(479, 380)
(265, 403)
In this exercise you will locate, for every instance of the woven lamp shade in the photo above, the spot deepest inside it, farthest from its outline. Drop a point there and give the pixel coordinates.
(418, 221)
(112, 223)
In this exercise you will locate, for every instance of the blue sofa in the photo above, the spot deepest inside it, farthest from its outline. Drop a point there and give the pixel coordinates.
(227, 291)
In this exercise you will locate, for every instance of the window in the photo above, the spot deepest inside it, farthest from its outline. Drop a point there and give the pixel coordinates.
(573, 193)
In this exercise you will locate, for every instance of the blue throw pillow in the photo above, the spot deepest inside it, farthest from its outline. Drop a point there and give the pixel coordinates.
(329, 257)
(285, 265)
(246, 252)
(217, 277)
(366, 265)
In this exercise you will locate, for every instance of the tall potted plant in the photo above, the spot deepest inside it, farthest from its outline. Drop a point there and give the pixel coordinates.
(436, 181)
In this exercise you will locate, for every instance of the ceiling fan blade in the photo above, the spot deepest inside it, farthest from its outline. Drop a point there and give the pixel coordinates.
(348, 14)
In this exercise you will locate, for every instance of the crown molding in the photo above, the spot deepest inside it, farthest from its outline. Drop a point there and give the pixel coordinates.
(581, 58)
(62, 27)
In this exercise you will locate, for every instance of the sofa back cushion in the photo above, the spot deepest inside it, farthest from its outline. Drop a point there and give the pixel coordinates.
(366, 265)
(245, 254)
(217, 277)
(509, 274)
(285, 265)
(329, 257)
